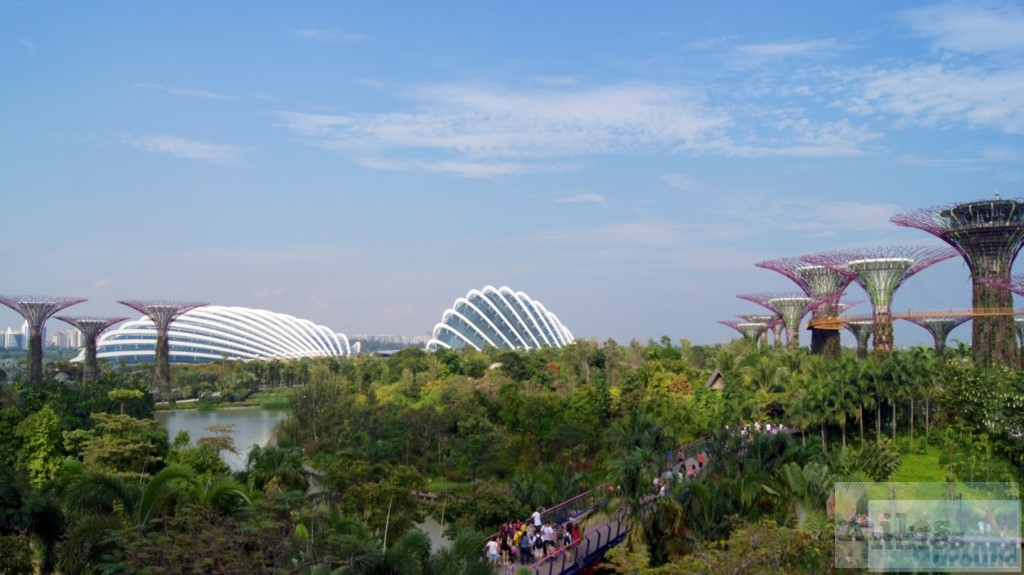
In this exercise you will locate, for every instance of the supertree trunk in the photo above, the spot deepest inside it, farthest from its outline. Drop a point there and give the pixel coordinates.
(990, 340)
(35, 354)
(882, 334)
(91, 371)
(162, 367)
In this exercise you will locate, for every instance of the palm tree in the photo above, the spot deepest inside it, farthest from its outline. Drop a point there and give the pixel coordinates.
(96, 504)
(274, 469)
(765, 377)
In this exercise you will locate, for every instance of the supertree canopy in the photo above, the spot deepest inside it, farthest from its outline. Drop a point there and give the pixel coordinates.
(988, 234)
(791, 307)
(939, 327)
(861, 330)
(91, 328)
(751, 330)
(36, 310)
(818, 282)
(772, 322)
(881, 271)
(162, 312)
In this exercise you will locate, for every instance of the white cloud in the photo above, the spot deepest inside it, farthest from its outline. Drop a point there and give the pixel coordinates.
(681, 182)
(327, 36)
(582, 198)
(800, 137)
(938, 96)
(482, 126)
(27, 44)
(189, 149)
(182, 92)
(817, 217)
(756, 54)
(973, 28)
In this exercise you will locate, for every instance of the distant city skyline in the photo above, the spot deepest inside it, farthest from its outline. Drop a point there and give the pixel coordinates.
(363, 166)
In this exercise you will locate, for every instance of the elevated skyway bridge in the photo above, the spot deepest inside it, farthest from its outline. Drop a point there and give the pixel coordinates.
(837, 322)
(602, 531)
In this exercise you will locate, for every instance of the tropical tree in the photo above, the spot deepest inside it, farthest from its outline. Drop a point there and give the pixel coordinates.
(274, 469)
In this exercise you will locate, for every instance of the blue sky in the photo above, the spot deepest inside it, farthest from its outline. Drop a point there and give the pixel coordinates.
(362, 165)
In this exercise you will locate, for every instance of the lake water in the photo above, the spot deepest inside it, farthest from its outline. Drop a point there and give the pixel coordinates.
(252, 426)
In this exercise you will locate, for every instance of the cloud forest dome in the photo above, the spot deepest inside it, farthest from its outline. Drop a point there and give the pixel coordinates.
(498, 317)
(214, 332)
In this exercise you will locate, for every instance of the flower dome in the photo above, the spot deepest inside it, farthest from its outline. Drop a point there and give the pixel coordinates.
(212, 333)
(501, 318)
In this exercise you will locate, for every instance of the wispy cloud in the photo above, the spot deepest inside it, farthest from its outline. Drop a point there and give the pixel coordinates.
(755, 54)
(327, 36)
(27, 44)
(484, 126)
(813, 217)
(973, 28)
(800, 137)
(588, 197)
(182, 92)
(681, 182)
(938, 95)
(189, 149)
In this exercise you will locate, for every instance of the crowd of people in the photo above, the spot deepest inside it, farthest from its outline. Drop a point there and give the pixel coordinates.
(525, 542)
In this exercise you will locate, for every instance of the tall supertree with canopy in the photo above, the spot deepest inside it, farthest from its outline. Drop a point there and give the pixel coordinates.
(862, 330)
(36, 310)
(771, 322)
(91, 328)
(751, 330)
(988, 234)
(939, 327)
(162, 312)
(821, 283)
(791, 307)
(881, 271)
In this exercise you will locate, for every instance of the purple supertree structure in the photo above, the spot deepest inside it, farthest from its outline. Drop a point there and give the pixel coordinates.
(820, 283)
(791, 307)
(771, 322)
(861, 330)
(988, 234)
(162, 312)
(91, 328)
(881, 271)
(751, 330)
(36, 310)
(939, 327)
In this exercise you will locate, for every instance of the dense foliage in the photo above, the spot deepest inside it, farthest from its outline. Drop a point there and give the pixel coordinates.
(90, 483)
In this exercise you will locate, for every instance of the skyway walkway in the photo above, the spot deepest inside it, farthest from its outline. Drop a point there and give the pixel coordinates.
(600, 534)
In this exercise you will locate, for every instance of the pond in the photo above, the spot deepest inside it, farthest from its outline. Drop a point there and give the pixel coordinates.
(252, 426)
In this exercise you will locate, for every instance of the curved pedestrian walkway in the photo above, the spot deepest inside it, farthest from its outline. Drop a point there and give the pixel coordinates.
(602, 532)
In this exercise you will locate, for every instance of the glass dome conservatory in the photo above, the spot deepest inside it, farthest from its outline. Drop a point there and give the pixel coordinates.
(498, 317)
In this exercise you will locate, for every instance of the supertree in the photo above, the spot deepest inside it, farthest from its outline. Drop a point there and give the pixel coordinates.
(881, 271)
(861, 330)
(36, 310)
(91, 328)
(751, 330)
(988, 234)
(939, 327)
(771, 322)
(162, 312)
(820, 283)
(791, 307)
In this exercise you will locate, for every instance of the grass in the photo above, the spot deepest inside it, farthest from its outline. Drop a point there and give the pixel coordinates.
(920, 467)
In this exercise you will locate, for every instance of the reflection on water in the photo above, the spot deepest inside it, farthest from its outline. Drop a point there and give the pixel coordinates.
(253, 426)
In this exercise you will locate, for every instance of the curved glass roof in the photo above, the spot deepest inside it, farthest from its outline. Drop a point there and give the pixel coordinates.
(211, 333)
(498, 317)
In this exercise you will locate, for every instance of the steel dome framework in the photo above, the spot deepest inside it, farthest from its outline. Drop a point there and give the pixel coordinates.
(212, 333)
(498, 317)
